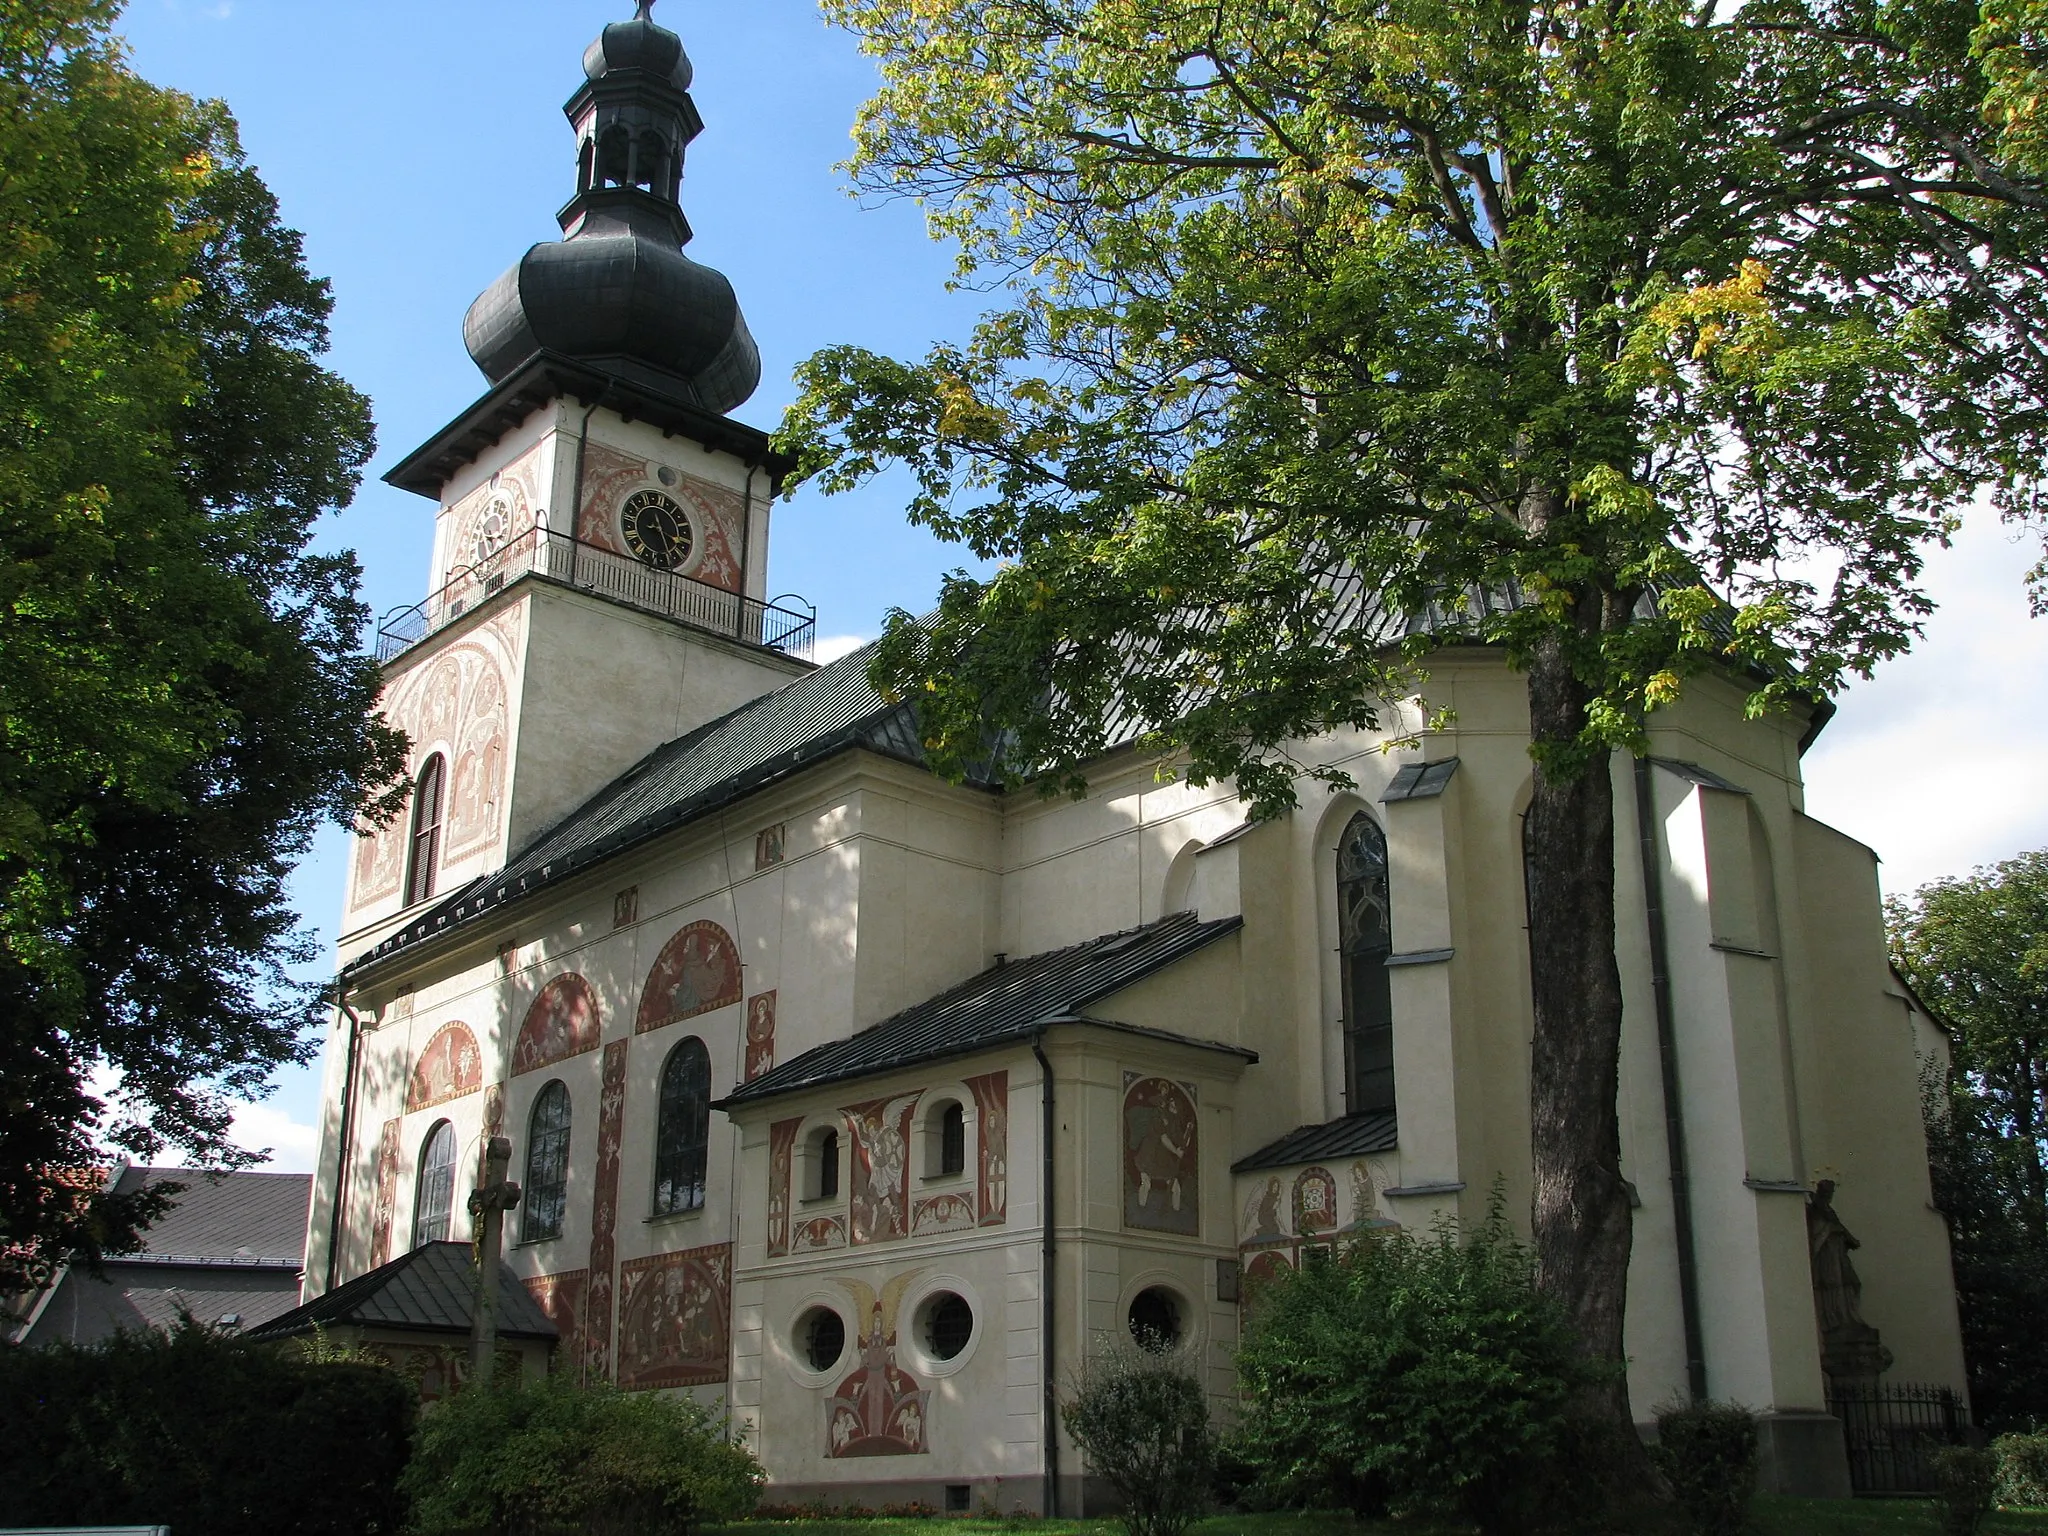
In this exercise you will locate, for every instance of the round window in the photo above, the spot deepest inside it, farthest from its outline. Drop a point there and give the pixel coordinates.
(948, 1325)
(821, 1336)
(1155, 1319)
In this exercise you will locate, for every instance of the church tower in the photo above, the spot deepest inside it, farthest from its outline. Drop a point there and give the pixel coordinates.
(601, 536)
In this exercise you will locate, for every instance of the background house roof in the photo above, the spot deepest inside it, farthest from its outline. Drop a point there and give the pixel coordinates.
(256, 1220)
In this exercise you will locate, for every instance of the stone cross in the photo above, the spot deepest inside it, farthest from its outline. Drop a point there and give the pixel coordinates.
(487, 1207)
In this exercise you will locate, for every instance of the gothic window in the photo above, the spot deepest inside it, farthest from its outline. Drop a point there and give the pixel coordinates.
(1365, 940)
(435, 1196)
(425, 856)
(683, 1129)
(546, 1194)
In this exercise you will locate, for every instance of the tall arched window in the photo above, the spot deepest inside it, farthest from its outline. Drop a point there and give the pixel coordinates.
(1365, 940)
(424, 859)
(682, 1135)
(547, 1165)
(434, 1198)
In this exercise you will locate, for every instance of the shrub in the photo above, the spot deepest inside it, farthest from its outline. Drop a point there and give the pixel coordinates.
(1707, 1452)
(1967, 1478)
(1410, 1375)
(2022, 1470)
(1142, 1420)
(541, 1457)
(203, 1433)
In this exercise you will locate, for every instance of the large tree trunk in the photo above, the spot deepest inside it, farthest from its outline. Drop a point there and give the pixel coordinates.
(1581, 1214)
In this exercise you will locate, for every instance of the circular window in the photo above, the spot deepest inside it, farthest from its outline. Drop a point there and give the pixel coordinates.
(948, 1325)
(1155, 1319)
(821, 1337)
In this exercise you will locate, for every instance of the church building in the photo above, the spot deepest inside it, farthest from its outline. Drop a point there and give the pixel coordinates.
(872, 1106)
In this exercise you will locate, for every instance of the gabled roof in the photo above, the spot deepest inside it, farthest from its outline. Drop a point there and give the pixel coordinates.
(239, 1220)
(1007, 1002)
(1348, 1136)
(431, 1290)
(815, 717)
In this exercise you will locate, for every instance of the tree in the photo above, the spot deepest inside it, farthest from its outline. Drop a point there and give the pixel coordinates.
(180, 680)
(1619, 337)
(1976, 949)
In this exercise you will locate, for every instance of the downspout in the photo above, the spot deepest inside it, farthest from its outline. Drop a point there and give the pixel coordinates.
(1674, 1108)
(1049, 1124)
(746, 555)
(348, 1108)
(576, 500)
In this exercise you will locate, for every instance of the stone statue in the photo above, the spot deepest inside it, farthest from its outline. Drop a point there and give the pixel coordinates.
(1851, 1351)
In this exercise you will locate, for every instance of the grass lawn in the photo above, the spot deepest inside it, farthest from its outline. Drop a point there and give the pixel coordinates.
(1774, 1517)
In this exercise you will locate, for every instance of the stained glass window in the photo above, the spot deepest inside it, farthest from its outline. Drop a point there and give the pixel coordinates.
(435, 1198)
(546, 1195)
(683, 1129)
(1365, 940)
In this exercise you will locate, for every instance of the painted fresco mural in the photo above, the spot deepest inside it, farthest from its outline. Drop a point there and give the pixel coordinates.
(992, 1170)
(384, 1213)
(781, 1159)
(675, 1318)
(563, 1022)
(1315, 1201)
(494, 1125)
(436, 1370)
(604, 1214)
(697, 970)
(879, 1409)
(941, 1213)
(562, 1298)
(1286, 1214)
(816, 1233)
(487, 528)
(716, 514)
(1162, 1156)
(451, 1067)
(880, 1205)
(760, 1035)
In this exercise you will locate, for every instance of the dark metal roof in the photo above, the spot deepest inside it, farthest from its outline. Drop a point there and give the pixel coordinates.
(231, 1220)
(1350, 1136)
(1421, 781)
(825, 712)
(1698, 775)
(432, 1289)
(1007, 1002)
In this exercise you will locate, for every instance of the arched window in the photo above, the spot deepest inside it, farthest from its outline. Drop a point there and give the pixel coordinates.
(435, 1197)
(821, 1177)
(1365, 940)
(546, 1193)
(945, 1151)
(682, 1135)
(425, 857)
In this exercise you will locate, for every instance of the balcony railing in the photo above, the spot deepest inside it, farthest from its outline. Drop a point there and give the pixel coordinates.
(559, 558)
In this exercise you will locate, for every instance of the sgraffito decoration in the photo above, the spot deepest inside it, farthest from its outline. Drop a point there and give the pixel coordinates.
(562, 1022)
(880, 1206)
(1162, 1156)
(941, 1213)
(604, 1214)
(1315, 1201)
(715, 513)
(698, 970)
(781, 1155)
(449, 1068)
(1262, 1223)
(760, 1035)
(818, 1232)
(992, 1173)
(385, 1183)
(880, 1408)
(562, 1297)
(1366, 1215)
(1261, 1270)
(675, 1319)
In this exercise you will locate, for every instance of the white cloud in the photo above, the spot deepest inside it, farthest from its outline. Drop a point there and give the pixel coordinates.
(832, 647)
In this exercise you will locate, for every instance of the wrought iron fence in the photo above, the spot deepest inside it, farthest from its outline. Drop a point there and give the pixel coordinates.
(1891, 1431)
(557, 557)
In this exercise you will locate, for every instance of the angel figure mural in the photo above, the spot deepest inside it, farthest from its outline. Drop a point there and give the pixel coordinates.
(879, 1409)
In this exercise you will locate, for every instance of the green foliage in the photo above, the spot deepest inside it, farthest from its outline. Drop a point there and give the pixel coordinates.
(2022, 1470)
(182, 694)
(1968, 1477)
(1976, 949)
(535, 1458)
(204, 1433)
(1411, 1375)
(1707, 1452)
(1142, 1420)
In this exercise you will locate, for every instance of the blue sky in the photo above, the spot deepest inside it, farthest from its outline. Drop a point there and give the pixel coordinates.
(421, 148)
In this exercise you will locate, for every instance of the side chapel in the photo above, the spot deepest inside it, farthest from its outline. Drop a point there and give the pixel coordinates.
(869, 1105)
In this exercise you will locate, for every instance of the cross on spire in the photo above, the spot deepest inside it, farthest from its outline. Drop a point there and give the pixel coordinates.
(645, 12)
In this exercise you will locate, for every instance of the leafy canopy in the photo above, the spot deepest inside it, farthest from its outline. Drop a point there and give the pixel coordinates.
(181, 694)
(1668, 335)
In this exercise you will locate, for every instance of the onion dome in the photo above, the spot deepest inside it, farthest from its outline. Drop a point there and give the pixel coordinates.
(618, 292)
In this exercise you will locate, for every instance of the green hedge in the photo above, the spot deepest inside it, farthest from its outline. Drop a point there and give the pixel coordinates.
(208, 1435)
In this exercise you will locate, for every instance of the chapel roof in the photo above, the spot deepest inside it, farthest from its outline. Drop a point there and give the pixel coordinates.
(1009, 1001)
(1346, 1136)
(431, 1290)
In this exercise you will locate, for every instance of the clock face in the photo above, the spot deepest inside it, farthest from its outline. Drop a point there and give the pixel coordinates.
(657, 530)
